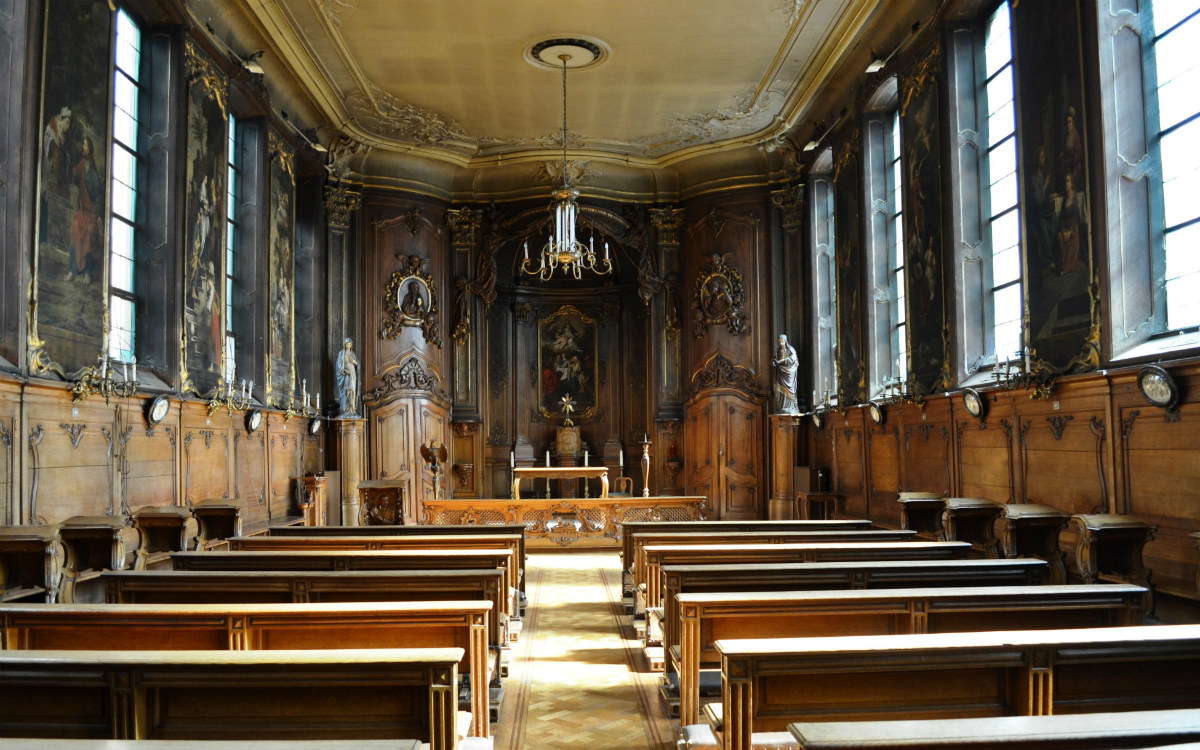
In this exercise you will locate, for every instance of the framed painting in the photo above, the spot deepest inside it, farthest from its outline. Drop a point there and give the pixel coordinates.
(567, 363)
(281, 360)
(70, 270)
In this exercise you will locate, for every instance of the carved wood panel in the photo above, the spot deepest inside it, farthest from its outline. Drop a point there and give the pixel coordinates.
(985, 460)
(207, 468)
(883, 450)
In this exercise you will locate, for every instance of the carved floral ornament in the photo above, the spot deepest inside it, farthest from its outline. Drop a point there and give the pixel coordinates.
(719, 298)
(409, 376)
(410, 300)
(721, 372)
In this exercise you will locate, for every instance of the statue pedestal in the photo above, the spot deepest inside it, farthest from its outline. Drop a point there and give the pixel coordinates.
(566, 445)
(351, 435)
(784, 431)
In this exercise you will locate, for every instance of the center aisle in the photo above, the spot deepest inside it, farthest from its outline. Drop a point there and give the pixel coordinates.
(577, 677)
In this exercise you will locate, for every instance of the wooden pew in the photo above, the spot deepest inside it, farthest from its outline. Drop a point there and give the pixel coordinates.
(758, 554)
(236, 695)
(512, 542)
(631, 529)
(254, 627)
(691, 538)
(1092, 731)
(770, 683)
(865, 574)
(709, 617)
(419, 530)
(302, 587)
(309, 560)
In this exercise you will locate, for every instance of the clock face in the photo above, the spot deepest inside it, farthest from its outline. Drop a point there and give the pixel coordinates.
(314, 426)
(876, 411)
(254, 420)
(1157, 386)
(158, 409)
(973, 402)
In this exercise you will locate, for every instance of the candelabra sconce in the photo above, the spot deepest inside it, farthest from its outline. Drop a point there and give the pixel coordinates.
(305, 408)
(231, 397)
(103, 383)
(1017, 372)
(645, 443)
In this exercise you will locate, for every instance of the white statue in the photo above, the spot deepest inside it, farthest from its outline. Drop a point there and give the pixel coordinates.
(786, 366)
(347, 380)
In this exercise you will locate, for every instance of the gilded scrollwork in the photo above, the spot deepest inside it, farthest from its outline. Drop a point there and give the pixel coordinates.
(410, 376)
(202, 72)
(719, 298)
(410, 300)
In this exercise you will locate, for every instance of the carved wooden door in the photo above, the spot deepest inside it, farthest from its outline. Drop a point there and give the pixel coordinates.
(724, 439)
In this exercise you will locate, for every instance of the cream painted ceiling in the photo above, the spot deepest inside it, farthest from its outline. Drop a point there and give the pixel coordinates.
(446, 78)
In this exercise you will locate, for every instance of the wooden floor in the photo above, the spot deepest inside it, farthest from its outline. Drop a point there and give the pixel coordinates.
(577, 676)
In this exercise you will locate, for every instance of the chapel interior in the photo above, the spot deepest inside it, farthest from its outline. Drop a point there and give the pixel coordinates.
(927, 264)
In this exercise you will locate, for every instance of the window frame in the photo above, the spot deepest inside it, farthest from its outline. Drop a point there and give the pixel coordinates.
(822, 239)
(887, 345)
(132, 223)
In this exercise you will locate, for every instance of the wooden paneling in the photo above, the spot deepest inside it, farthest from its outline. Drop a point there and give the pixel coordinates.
(883, 450)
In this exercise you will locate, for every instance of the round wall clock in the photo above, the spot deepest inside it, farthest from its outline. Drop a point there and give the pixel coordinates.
(875, 409)
(157, 410)
(1157, 386)
(973, 403)
(254, 420)
(314, 426)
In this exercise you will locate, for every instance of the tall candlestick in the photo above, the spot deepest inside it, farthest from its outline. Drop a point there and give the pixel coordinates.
(547, 458)
(585, 458)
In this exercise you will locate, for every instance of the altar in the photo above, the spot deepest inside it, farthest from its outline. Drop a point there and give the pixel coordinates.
(584, 522)
(560, 472)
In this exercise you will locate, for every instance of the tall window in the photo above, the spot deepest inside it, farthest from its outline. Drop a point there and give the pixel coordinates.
(896, 251)
(1177, 67)
(126, 92)
(231, 237)
(824, 293)
(1000, 194)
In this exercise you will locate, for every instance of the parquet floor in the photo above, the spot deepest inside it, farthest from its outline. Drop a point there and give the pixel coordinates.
(577, 677)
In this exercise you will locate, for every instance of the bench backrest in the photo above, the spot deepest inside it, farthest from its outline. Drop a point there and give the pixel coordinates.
(299, 587)
(757, 554)
(308, 560)
(934, 676)
(709, 617)
(254, 627)
(631, 529)
(208, 695)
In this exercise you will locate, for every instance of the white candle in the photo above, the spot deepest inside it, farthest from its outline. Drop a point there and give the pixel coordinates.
(585, 458)
(526, 249)
(250, 390)
(104, 367)
(134, 368)
(547, 458)
(606, 251)
(318, 402)
(621, 457)
(124, 371)
(512, 459)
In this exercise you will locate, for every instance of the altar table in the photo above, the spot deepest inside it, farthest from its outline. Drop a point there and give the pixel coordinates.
(560, 472)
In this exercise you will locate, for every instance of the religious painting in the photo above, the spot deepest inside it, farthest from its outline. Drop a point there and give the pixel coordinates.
(410, 300)
(282, 249)
(567, 363)
(719, 298)
(920, 147)
(849, 359)
(204, 267)
(1063, 327)
(67, 325)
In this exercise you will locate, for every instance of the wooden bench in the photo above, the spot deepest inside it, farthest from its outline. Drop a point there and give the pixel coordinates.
(770, 683)
(217, 519)
(512, 542)
(254, 627)
(420, 530)
(631, 529)
(310, 560)
(302, 587)
(705, 618)
(758, 554)
(866, 574)
(683, 538)
(31, 562)
(165, 529)
(1091, 731)
(235, 695)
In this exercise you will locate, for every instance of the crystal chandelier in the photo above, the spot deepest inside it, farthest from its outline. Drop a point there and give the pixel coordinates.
(562, 249)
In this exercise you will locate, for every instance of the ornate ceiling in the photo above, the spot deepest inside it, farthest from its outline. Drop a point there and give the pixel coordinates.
(447, 80)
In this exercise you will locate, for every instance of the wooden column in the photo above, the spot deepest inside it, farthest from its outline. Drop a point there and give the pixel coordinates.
(784, 432)
(350, 435)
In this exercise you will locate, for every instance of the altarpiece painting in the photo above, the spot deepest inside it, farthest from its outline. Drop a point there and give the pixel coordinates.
(567, 362)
